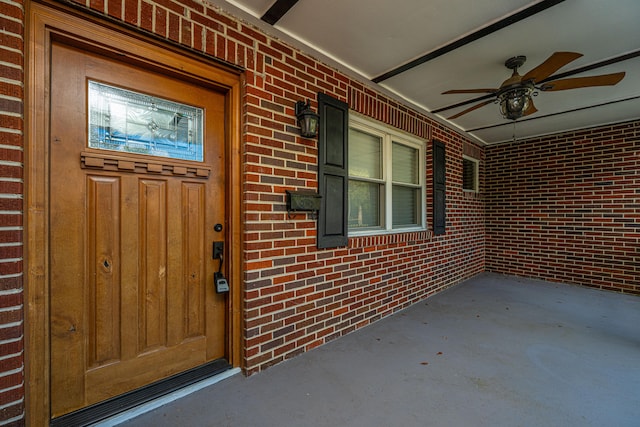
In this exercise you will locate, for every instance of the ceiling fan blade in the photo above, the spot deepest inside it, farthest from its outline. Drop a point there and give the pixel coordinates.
(470, 109)
(550, 66)
(578, 82)
(531, 109)
(470, 91)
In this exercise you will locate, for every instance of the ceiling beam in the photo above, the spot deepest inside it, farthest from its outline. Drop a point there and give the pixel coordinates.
(277, 11)
(463, 103)
(588, 107)
(510, 20)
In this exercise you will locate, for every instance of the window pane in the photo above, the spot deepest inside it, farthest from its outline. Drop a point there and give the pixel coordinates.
(405, 164)
(364, 155)
(405, 206)
(364, 204)
(122, 120)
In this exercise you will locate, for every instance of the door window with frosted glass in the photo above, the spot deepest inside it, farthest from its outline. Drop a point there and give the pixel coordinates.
(133, 122)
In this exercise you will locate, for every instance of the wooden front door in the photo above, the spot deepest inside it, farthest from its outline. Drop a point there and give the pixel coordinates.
(130, 235)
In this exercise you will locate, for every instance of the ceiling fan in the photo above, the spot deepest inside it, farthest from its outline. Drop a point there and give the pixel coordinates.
(514, 94)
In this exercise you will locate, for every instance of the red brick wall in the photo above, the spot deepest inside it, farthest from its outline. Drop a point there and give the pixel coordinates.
(567, 207)
(11, 190)
(296, 297)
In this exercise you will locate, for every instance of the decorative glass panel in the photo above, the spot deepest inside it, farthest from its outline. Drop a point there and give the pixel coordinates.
(364, 204)
(405, 164)
(365, 153)
(122, 120)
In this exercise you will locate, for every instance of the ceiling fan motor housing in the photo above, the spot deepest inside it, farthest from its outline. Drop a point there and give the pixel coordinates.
(514, 95)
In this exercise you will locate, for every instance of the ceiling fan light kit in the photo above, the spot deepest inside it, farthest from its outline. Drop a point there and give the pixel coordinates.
(514, 102)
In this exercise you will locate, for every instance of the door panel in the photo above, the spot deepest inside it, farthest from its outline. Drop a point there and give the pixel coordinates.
(131, 274)
(152, 285)
(103, 204)
(193, 207)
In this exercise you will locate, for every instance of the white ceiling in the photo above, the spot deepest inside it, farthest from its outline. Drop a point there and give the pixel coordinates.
(368, 38)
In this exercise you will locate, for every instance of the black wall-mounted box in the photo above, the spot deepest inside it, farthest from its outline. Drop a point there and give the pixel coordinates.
(303, 200)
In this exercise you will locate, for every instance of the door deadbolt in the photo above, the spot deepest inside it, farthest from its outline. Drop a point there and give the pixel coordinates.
(218, 250)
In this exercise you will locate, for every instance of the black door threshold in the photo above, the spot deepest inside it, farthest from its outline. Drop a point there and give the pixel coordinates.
(100, 411)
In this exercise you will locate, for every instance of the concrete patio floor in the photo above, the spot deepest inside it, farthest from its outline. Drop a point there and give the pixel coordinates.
(492, 351)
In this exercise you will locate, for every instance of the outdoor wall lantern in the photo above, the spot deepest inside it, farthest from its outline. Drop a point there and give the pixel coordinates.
(307, 119)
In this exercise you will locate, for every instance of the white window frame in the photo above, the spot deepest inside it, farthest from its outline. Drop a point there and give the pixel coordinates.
(476, 174)
(390, 135)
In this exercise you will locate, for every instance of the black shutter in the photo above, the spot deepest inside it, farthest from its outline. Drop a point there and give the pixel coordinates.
(439, 188)
(333, 178)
